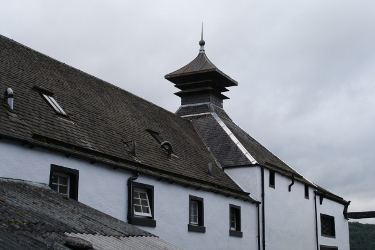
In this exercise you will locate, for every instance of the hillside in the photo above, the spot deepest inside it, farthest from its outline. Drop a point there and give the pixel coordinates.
(362, 236)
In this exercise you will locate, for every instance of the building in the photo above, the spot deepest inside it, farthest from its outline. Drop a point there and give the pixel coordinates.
(193, 178)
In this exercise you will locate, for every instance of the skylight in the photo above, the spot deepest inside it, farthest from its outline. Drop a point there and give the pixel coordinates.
(54, 104)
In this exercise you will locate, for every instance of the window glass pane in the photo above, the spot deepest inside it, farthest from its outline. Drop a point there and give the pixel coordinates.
(194, 212)
(143, 195)
(145, 210)
(54, 187)
(137, 208)
(63, 189)
(54, 179)
(137, 202)
(63, 180)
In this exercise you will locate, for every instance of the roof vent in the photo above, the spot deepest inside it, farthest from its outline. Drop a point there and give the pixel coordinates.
(8, 96)
(168, 146)
(134, 145)
(209, 168)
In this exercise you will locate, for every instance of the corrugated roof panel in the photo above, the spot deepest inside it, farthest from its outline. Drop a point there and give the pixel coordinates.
(126, 243)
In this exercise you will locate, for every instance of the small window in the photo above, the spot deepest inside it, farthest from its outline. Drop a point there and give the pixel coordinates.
(60, 183)
(196, 215)
(327, 224)
(64, 181)
(141, 204)
(307, 191)
(51, 101)
(272, 178)
(235, 221)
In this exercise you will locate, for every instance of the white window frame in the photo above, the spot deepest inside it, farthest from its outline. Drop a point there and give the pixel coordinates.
(142, 191)
(233, 219)
(194, 212)
(58, 184)
(54, 104)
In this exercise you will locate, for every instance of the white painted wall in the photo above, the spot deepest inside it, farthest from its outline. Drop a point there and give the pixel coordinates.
(289, 216)
(341, 240)
(105, 189)
(172, 204)
(248, 178)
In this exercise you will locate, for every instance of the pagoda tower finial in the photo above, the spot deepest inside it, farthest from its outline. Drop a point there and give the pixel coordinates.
(202, 42)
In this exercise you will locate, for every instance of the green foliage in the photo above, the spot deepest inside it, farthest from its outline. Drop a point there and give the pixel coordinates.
(362, 236)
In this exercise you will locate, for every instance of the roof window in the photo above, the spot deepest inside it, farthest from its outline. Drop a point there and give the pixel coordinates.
(54, 104)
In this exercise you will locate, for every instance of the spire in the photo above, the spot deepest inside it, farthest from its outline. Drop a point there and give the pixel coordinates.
(202, 42)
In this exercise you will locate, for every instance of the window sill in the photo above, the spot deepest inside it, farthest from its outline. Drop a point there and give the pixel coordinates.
(140, 221)
(235, 233)
(198, 229)
(329, 236)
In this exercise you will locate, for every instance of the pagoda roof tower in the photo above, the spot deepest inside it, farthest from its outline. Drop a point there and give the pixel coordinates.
(200, 81)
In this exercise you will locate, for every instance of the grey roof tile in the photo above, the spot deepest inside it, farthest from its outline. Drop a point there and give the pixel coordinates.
(35, 217)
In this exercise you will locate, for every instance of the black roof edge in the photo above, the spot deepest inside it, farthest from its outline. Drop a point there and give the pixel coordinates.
(361, 215)
(230, 193)
(240, 166)
(330, 196)
(270, 165)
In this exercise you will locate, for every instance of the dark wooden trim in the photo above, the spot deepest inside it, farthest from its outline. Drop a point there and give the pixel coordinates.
(324, 247)
(235, 233)
(197, 229)
(139, 220)
(361, 215)
(142, 221)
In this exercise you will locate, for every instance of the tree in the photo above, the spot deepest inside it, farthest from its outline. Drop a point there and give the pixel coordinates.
(362, 236)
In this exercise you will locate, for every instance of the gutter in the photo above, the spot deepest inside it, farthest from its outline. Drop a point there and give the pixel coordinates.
(258, 227)
(263, 213)
(291, 184)
(316, 223)
(130, 195)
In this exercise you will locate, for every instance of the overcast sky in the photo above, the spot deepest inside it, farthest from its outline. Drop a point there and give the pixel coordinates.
(306, 69)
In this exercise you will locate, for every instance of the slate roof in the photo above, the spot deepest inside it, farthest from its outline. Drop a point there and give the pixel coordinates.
(32, 216)
(101, 123)
(203, 67)
(227, 151)
(223, 147)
